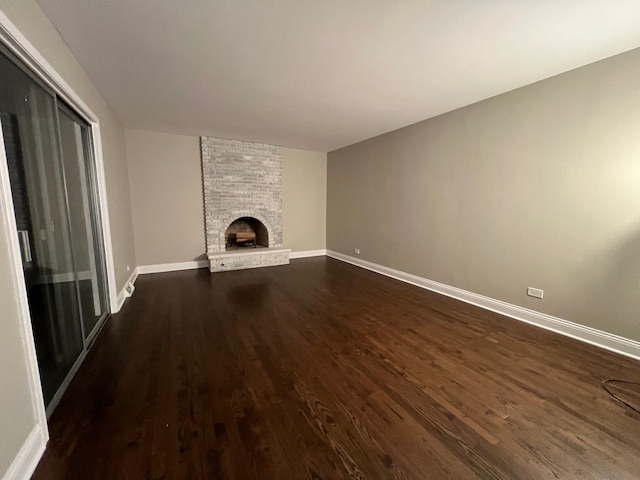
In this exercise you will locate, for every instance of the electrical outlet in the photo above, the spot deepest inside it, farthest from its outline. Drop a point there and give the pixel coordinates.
(535, 292)
(356, 251)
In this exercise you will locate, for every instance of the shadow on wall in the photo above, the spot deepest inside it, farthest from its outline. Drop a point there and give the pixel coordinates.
(616, 270)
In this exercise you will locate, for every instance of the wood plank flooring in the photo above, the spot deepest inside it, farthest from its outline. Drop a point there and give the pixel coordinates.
(320, 370)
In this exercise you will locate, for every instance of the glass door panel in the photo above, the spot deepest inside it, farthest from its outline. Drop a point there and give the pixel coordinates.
(29, 124)
(87, 250)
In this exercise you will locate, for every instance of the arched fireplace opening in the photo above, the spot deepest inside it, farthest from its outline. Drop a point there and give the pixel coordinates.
(246, 232)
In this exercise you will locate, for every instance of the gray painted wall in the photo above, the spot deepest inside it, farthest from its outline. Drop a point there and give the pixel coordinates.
(166, 197)
(536, 187)
(166, 192)
(304, 199)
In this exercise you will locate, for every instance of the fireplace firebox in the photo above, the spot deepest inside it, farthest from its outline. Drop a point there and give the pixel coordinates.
(246, 232)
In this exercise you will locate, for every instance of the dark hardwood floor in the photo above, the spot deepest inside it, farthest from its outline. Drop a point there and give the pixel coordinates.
(321, 370)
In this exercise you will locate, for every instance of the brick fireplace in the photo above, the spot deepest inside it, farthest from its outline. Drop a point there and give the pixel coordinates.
(242, 187)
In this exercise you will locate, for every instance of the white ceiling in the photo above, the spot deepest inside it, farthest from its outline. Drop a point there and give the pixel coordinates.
(321, 74)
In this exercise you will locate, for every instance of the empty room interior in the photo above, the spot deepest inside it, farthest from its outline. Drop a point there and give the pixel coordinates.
(283, 239)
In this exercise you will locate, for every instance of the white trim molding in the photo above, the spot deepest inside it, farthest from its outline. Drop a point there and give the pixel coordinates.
(8, 217)
(172, 267)
(26, 461)
(159, 268)
(308, 253)
(608, 341)
(105, 224)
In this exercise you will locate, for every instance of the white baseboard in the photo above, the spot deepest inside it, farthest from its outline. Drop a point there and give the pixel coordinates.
(122, 295)
(308, 253)
(608, 341)
(26, 461)
(172, 267)
(163, 267)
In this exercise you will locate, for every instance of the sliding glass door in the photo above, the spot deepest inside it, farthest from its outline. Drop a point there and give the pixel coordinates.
(51, 176)
(87, 251)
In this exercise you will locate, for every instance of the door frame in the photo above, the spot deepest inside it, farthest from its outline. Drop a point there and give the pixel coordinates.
(21, 47)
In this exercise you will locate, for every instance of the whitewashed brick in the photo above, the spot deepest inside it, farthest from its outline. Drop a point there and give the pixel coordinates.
(240, 179)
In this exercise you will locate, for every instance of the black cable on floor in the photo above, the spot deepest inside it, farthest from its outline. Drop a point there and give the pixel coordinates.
(615, 397)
